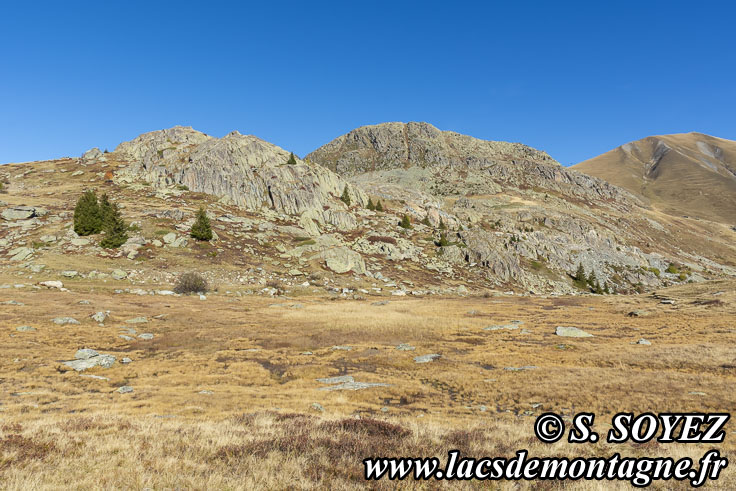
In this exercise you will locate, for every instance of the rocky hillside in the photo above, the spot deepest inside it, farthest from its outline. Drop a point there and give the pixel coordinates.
(513, 209)
(500, 218)
(446, 163)
(239, 169)
(684, 174)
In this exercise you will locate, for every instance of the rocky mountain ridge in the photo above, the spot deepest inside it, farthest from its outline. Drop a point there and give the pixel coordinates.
(240, 169)
(420, 149)
(476, 225)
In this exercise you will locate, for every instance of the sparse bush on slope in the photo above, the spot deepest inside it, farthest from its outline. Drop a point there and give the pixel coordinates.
(191, 283)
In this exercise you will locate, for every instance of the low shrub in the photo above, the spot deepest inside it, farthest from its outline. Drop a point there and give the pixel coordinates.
(378, 238)
(191, 283)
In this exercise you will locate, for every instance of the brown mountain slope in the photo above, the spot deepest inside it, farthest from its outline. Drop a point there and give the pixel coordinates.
(685, 174)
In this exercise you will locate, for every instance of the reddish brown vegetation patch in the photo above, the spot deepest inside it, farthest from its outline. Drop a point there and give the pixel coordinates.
(378, 238)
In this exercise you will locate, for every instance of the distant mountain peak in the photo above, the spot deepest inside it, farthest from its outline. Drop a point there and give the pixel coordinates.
(683, 173)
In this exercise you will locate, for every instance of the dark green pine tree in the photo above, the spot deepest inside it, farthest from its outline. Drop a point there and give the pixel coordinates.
(371, 206)
(87, 217)
(116, 230)
(201, 229)
(292, 159)
(443, 242)
(379, 206)
(106, 210)
(405, 222)
(592, 280)
(442, 225)
(345, 196)
(580, 278)
(580, 273)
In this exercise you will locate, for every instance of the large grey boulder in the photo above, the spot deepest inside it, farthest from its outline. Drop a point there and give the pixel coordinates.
(572, 332)
(85, 354)
(52, 284)
(346, 382)
(19, 213)
(341, 260)
(426, 358)
(20, 253)
(91, 154)
(84, 359)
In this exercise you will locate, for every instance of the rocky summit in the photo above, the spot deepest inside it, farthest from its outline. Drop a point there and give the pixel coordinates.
(387, 209)
(239, 169)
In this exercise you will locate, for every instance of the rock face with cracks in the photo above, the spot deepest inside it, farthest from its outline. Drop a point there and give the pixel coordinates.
(241, 169)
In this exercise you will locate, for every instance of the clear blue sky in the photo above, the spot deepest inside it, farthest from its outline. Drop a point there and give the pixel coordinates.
(572, 78)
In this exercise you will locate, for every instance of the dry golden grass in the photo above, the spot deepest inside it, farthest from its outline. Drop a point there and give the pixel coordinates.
(267, 450)
(258, 427)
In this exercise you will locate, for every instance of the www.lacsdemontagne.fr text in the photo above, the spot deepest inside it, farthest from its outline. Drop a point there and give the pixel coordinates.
(640, 472)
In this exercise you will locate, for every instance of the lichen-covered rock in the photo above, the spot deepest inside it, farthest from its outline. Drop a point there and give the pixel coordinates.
(341, 260)
(572, 332)
(84, 359)
(20, 253)
(92, 154)
(18, 213)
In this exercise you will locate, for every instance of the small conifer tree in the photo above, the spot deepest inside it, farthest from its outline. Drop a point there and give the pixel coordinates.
(592, 280)
(345, 196)
(371, 206)
(581, 279)
(292, 159)
(87, 216)
(379, 206)
(405, 222)
(201, 229)
(443, 242)
(116, 231)
(442, 224)
(580, 273)
(106, 210)
(425, 221)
